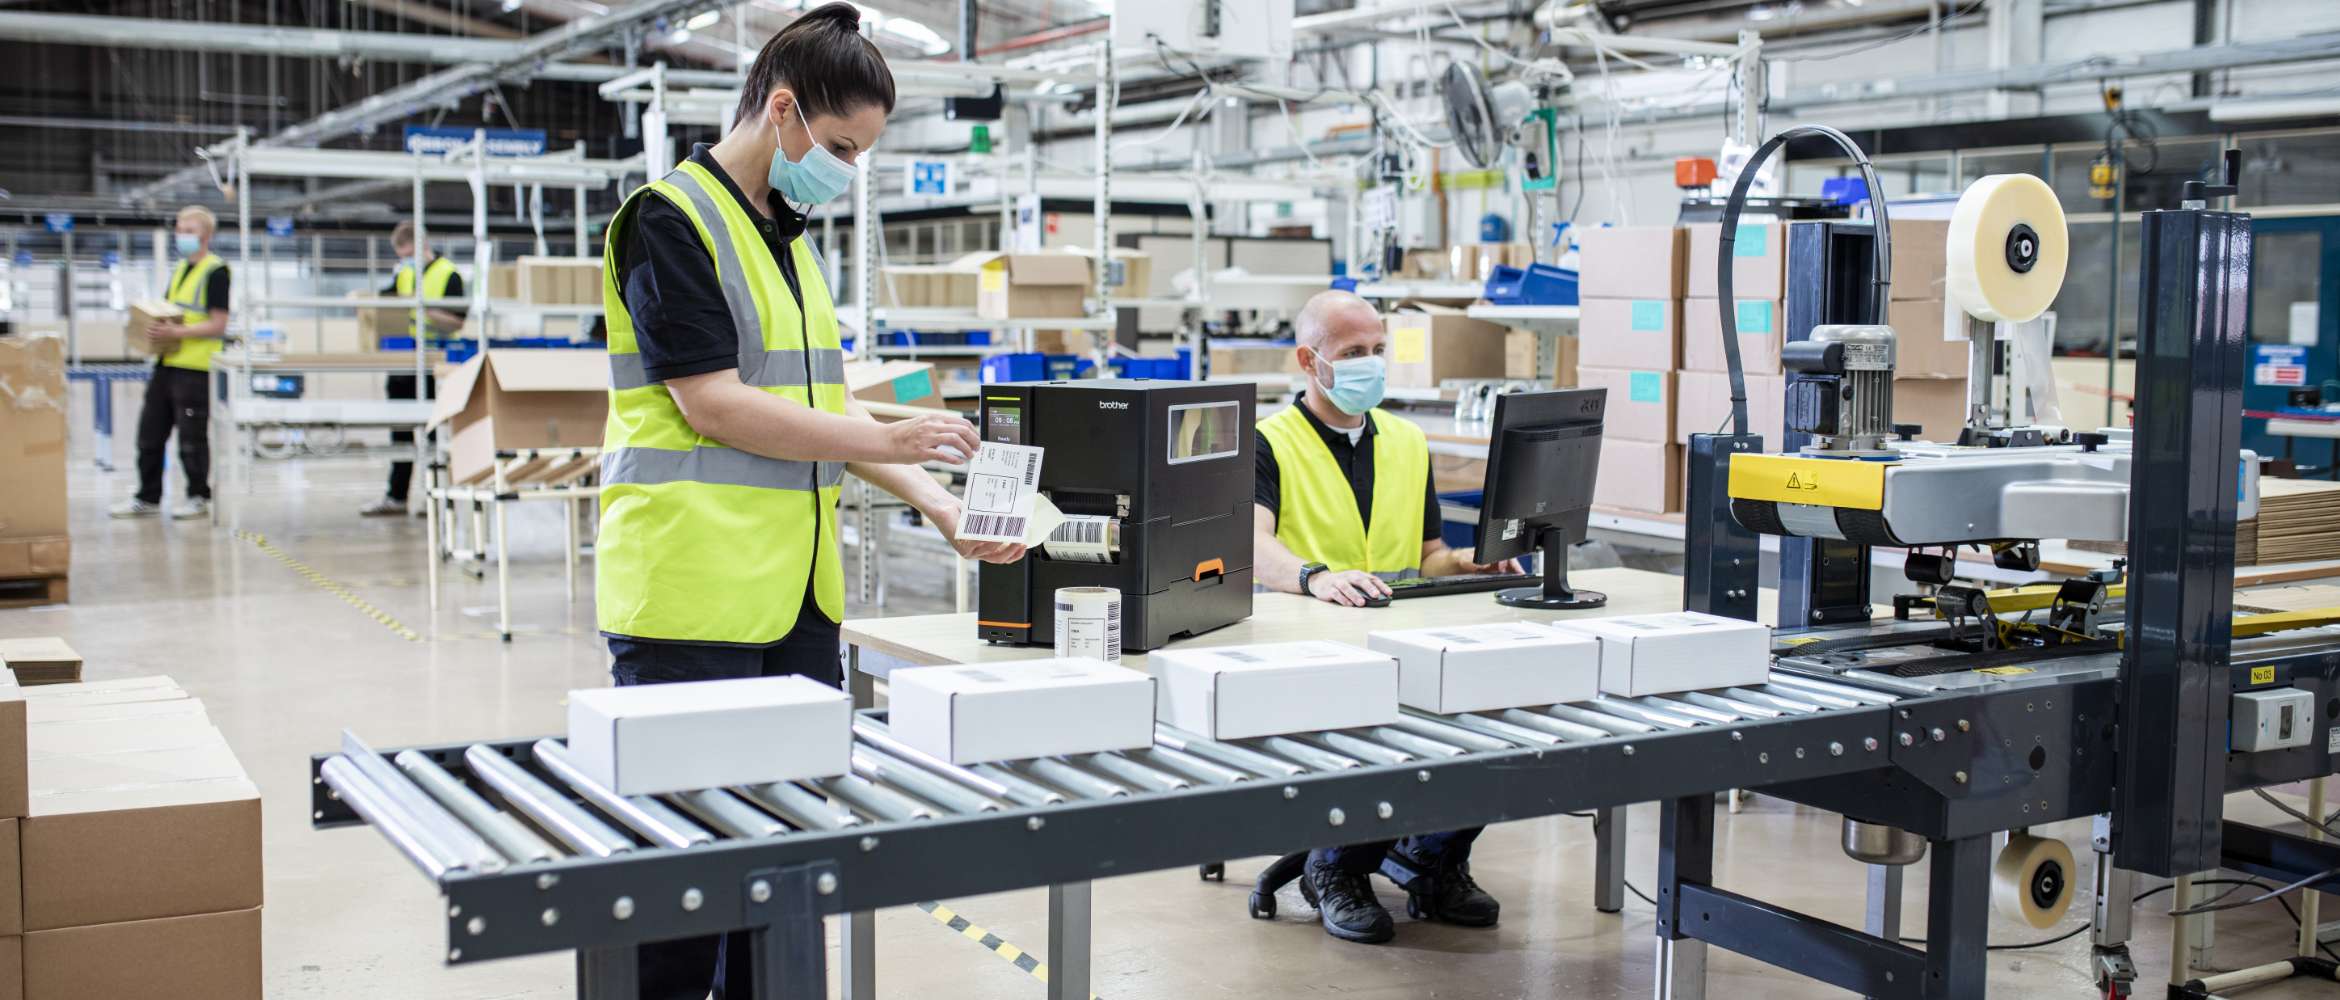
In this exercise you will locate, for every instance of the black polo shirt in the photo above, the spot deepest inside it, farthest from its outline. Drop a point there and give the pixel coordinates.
(1356, 462)
(681, 324)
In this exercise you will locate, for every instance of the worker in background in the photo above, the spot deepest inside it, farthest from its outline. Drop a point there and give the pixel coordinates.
(432, 325)
(730, 428)
(1343, 504)
(178, 394)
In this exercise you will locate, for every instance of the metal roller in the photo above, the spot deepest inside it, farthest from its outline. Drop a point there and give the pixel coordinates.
(881, 737)
(1791, 706)
(1566, 730)
(1429, 727)
(918, 782)
(1819, 699)
(1695, 711)
(1360, 748)
(1181, 762)
(1737, 708)
(1420, 746)
(1302, 753)
(1021, 790)
(725, 812)
(1629, 710)
(433, 823)
(1862, 695)
(565, 820)
(1074, 780)
(1500, 729)
(875, 801)
(654, 820)
(1117, 766)
(1604, 721)
(508, 835)
(1229, 754)
(801, 809)
(371, 805)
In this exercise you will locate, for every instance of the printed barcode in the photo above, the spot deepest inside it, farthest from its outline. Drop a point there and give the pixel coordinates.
(1238, 656)
(1079, 532)
(994, 524)
(1031, 468)
(1457, 638)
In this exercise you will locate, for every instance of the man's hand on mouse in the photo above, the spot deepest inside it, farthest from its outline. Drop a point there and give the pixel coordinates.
(1351, 587)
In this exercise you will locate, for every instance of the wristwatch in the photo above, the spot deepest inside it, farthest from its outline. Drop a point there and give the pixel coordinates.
(1308, 573)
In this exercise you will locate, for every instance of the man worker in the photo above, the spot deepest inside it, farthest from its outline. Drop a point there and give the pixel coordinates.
(1344, 504)
(178, 394)
(440, 280)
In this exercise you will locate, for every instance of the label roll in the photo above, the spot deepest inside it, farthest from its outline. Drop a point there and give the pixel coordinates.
(1085, 538)
(2007, 248)
(1088, 623)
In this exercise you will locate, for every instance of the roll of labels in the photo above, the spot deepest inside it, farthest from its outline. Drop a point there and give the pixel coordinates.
(2006, 249)
(1088, 623)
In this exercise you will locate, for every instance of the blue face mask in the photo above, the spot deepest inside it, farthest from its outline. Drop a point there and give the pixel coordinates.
(187, 245)
(1356, 383)
(813, 178)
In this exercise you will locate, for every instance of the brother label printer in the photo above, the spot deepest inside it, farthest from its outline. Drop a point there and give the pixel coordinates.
(1156, 478)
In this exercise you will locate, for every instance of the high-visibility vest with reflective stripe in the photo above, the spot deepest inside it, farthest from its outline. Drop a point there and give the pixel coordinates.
(191, 291)
(436, 274)
(699, 541)
(1316, 512)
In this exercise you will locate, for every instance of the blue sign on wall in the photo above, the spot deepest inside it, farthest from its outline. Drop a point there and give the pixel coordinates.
(931, 178)
(2279, 364)
(59, 222)
(436, 139)
(280, 225)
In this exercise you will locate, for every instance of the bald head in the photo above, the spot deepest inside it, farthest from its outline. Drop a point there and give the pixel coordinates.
(1329, 314)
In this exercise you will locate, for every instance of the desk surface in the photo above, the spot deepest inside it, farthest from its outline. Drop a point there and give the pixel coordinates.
(929, 640)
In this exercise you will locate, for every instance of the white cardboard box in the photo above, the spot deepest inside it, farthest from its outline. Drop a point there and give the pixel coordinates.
(1028, 708)
(1236, 692)
(655, 738)
(1677, 651)
(1478, 668)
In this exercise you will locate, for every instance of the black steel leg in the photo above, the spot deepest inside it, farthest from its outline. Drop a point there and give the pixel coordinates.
(1685, 857)
(791, 956)
(1958, 913)
(608, 974)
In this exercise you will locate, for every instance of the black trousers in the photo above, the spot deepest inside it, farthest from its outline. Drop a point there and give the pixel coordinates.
(176, 399)
(689, 968)
(402, 470)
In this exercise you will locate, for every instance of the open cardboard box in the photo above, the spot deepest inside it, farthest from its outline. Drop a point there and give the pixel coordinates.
(516, 398)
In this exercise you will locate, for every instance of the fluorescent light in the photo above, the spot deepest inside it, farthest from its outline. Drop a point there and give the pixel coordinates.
(678, 36)
(511, 5)
(703, 20)
(2274, 108)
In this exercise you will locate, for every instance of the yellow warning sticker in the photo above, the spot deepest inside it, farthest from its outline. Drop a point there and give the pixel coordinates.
(2005, 671)
(2262, 675)
(1820, 481)
(1409, 345)
(1799, 640)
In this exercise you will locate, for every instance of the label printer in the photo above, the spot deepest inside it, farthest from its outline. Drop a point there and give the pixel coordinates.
(1156, 479)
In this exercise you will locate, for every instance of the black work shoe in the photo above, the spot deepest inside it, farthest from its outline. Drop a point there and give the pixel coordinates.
(1450, 895)
(1344, 901)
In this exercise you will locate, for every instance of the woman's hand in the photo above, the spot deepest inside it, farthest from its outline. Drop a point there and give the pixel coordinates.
(946, 520)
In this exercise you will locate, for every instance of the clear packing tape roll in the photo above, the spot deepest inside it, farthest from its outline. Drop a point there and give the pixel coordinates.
(2007, 248)
(2032, 880)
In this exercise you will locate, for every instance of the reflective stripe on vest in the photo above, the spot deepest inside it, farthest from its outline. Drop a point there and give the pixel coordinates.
(1316, 513)
(699, 541)
(436, 274)
(190, 290)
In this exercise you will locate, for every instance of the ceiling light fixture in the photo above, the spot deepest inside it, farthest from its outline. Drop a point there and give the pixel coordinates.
(703, 20)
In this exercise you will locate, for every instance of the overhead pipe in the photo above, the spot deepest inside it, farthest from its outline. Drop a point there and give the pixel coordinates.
(1037, 38)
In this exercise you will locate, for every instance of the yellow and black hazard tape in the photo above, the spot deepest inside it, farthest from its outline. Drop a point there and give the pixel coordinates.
(1015, 956)
(331, 586)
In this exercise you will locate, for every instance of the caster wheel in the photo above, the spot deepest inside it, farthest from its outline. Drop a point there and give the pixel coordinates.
(1263, 905)
(1216, 871)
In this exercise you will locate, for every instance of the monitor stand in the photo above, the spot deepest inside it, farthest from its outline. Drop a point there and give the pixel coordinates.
(1555, 594)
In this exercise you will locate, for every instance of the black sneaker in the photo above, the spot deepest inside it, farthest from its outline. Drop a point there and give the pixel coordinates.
(1450, 895)
(1344, 901)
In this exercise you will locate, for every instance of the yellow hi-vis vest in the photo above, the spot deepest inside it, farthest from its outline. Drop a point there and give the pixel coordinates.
(1317, 516)
(699, 541)
(435, 276)
(191, 291)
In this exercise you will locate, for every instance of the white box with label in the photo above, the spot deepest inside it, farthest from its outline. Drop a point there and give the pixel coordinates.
(1478, 668)
(1028, 708)
(1678, 651)
(1236, 692)
(654, 738)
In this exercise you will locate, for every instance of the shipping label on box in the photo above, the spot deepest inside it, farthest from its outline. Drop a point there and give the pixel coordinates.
(1629, 333)
(1479, 668)
(1015, 711)
(1703, 405)
(652, 739)
(1641, 476)
(1640, 406)
(1760, 323)
(1236, 692)
(1630, 262)
(1758, 260)
(1678, 651)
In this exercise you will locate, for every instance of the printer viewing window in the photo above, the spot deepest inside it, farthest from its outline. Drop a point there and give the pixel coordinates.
(1203, 431)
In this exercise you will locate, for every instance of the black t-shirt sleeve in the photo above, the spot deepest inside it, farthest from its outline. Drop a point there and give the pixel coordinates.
(1433, 521)
(215, 290)
(1267, 488)
(681, 323)
(455, 291)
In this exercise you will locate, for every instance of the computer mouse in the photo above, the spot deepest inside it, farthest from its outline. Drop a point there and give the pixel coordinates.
(1379, 601)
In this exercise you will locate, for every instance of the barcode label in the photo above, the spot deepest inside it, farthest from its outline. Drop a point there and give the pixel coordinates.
(1031, 469)
(1458, 638)
(994, 524)
(1081, 532)
(1239, 656)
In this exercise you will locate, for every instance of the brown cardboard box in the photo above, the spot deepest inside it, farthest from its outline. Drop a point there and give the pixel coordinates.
(1032, 286)
(1063, 341)
(1519, 358)
(1631, 262)
(206, 956)
(1247, 359)
(1425, 265)
(1640, 406)
(504, 282)
(1431, 343)
(53, 738)
(32, 436)
(41, 711)
(1758, 260)
(143, 317)
(35, 556)
(1920, 257)
(11, 968)
(519, 398)
(151, 687)
(1643, 476)
(1759, 322)
(15, 791)
(1937, 405)
(135, 835)
(375, 322)
(40, 660)
(1137, 270)
(553, 281)
(1629, 333)
(1919, 348)
(907, 383)
(11, 877)
(1702, 405)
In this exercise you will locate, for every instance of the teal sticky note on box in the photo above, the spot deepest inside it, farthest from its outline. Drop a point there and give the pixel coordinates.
(914, 386)
(1649, 316)
(1645, 387)
(1754, 316)
(1754, 240)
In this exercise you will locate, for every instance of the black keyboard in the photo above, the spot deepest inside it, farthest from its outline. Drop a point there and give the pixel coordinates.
(1467, 583)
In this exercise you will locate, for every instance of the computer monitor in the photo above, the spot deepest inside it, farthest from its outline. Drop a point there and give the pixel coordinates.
(1541, 460)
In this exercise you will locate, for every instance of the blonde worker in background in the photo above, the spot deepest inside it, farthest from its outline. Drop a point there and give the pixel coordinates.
(178, 394)
(1343, 504)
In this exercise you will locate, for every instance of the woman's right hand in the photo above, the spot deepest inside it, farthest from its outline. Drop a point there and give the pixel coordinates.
(939, 438)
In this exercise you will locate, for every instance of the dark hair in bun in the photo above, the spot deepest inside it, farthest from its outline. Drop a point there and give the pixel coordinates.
(823, 59)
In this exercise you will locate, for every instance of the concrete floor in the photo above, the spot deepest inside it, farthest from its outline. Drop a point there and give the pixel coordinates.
(284, 664)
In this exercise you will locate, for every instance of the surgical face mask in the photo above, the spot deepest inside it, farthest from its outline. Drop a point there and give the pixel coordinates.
(1356, 383)
(188, 246)
(813, 178)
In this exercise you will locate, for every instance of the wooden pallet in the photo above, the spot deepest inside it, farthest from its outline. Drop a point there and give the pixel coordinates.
(28, 591)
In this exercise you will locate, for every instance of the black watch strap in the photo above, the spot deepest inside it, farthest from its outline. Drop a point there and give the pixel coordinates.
(1308, 573)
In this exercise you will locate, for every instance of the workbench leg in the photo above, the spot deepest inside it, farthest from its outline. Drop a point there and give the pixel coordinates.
(2190, 937)
(608, 974)
(1882, 919)
(857, 952)
(1681, 969)
(503, 579)
(791, 959)
(861, 686)
(2311, 904)
(431, 571)
(1685, 857)
(1609, 837)
(1958, 916)
(1068, 941)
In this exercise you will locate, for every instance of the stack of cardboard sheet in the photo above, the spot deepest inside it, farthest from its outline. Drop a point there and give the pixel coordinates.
(2299, 520)
(42, 659)
(34, 549)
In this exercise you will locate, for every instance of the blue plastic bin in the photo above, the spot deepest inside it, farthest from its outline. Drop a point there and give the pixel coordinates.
(1173, 369)
(1031, 366)
(1534, 285)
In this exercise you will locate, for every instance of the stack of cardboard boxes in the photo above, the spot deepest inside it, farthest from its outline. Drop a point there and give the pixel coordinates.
(35, 550)
(1931, 345)
(1758, 310)
(1629, 338)
(1430, 343)
(129, 846)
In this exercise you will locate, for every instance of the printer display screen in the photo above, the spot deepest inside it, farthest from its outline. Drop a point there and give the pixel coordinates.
(1200, 431)
(1004, 424)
